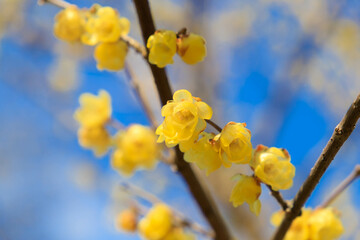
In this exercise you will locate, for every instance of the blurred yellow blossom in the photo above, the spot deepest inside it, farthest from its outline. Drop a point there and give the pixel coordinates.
(111, 56)
(247, 189)
(272, 166)
(94, 110)
(318, 224)
(184, 117)
(96, 139)
(162, 46)
(191, 48)
(325, 225)
(105, 26)
(136, 147)
(69, 24)
(234, 144)
(157, 223)
(127, 220)
(179, 234)
(203, 154)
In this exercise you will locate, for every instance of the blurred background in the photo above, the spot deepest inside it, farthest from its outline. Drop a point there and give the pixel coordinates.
(288, 68)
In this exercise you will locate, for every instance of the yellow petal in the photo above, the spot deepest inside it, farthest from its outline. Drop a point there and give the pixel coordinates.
(205, 111)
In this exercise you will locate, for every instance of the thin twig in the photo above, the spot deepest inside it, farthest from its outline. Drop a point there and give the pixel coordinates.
(342, 186)
(139, 48)
(179, 217)
(277, 195)
(115, 124)
(134, 82)
(340, 135)
(200, 194)
(217, 127)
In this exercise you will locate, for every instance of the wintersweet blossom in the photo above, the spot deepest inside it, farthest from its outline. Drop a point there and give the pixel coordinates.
(318, 224)
(111, 56)
(234, 144)
(272, 166)
(204, 154)
(135, 148)
(162, 47)
(247, 189)
(179, 234)
(96, 139)
(94, 110)
(157, 223)
(191, 48)
(127, 220)
(69, 24)
(184, 119)
(105, 25)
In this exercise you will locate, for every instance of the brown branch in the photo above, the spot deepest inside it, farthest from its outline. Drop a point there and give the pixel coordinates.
(214, 125)
(342, 186)
(340, 135)
(202, 197)
(277, 195)
(59, 3)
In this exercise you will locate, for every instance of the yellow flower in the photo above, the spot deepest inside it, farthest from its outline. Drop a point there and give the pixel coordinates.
(111, 56)
(127, 220)
(203, 154)
(318, 224)
(179, 234)
(94, 110)
(272, 166)
(96, 139)
(247, 189)
(162, 46)
(105, 26)
(184, 117)
(136, 147)
(157, 223)
(325, 225)
(234, 144)
(191, 48)
(69, 24)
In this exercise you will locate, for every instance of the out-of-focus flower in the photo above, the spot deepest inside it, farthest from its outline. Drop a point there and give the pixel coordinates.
(157, 223)
(127, 220)
(179, 234)
(247, 189)
(318, 224)
(94, 110)
(234, 144)
(96, 139)
(69, 24)
(204, 154)
(136, 147)
(105, 26)
(111, 56)
(162, 46)
(272, 166)
(184, 117)
(191, 48)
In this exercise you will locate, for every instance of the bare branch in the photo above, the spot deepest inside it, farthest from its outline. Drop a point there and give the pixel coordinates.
(342, 186)
(277, 195)
(340, 135)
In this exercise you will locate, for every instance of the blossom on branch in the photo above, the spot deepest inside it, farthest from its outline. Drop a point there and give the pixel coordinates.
(69, 24)
(191, 48)
(111, 56)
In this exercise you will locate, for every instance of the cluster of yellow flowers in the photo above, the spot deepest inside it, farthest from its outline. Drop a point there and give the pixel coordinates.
(164, 44)
(158, 224)
(318, 224)
(101, 26)
(184, 124)
(134, 147)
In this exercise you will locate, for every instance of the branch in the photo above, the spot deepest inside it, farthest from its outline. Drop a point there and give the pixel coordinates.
(214, 125)
(340, 135)
(277, 195)
(202, 197)
(347, 181)
(179, 217)
(59, 3)
(133, 80)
